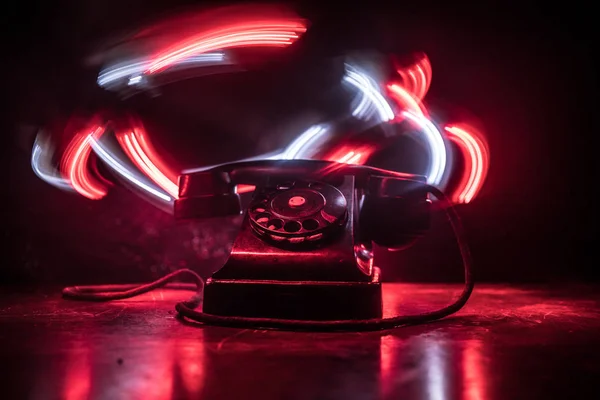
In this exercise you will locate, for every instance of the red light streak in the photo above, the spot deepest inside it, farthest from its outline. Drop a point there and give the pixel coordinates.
(74, 165)
(244, 188)
(412, 86)
(143, 155)
(275, 32)
(347, 157)
(406, 100)
(354, 159)
(476, 157)
(351, 155)
(416, 78)
(415, 82)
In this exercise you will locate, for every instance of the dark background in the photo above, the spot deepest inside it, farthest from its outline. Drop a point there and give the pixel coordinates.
(526, 72)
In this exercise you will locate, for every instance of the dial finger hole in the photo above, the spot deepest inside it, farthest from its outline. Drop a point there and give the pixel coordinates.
(263, 218)
(292, 226)
(275, 224)
(310, 224)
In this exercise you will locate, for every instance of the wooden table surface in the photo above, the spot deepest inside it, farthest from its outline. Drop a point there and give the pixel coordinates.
(510, 342)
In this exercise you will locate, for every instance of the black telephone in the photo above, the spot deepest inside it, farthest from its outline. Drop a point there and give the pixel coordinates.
(302, 258)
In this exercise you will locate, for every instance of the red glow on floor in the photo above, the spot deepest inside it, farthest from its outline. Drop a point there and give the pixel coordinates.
(387, 365)
(78, 374)
(74, 164)
(160, 384)
(473, 371)
(476, 159)
(191, 361)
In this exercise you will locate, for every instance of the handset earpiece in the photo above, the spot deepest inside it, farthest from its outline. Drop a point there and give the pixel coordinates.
(395, 211)
(211, 193)
(206, 194)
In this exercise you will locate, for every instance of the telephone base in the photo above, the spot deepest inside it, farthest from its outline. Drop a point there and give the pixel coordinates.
(300, 300)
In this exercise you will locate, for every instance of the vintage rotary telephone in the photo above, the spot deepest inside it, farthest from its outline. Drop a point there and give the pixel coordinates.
(302, 258)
